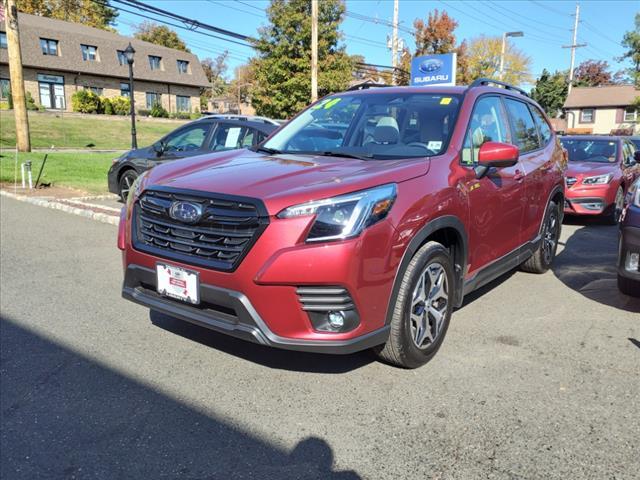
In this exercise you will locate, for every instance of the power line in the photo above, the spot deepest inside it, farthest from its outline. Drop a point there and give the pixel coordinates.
(518, 15)
(548, 8)
(222, 4)
(596, 31)
(377, 21)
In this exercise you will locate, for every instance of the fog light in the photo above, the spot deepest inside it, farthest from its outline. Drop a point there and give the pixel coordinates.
(633, 260)
(336, 320)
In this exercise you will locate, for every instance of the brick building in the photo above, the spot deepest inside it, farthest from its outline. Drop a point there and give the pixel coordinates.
(60, 58)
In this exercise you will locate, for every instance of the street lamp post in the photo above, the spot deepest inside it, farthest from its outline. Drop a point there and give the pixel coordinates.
(504, 46)
(129, 52)
(239, 87)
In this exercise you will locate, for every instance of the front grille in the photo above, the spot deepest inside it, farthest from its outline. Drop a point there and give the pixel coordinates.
(570, 181)
(225, 233)
(324, 299)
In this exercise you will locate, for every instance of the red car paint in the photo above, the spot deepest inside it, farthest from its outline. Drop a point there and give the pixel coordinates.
(498, 213)
(623, 172)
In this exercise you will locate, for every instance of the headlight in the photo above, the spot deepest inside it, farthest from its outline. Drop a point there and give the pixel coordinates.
(597, 180)
(135, 189)
(345, 216)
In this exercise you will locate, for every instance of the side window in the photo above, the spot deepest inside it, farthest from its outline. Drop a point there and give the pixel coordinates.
(488, 124)
(188, 138)
(543, 127)
(247, 140)
(524, 130)
(227, 137)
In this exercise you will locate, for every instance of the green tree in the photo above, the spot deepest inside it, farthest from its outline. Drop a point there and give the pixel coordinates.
(484, 61)
(550, 91)
(631, 41)
(86, 12)
(160, 35)
(283, 63)
(215, 69)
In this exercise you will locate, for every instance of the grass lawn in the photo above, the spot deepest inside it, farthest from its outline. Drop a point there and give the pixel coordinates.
(83, 171)
(59, 130)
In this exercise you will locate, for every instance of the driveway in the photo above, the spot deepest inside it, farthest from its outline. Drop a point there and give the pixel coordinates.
(538, 378)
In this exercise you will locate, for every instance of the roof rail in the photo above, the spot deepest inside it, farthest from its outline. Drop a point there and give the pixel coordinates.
(487, 81)
(367, 85)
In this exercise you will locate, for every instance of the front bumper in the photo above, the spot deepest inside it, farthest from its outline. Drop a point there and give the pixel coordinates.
(112, 179)
(589, 200)
(231, 312)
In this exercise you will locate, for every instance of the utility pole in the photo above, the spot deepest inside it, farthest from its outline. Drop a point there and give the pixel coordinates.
(574, 45)
(314, 50)
(394, 42)
(23, 142)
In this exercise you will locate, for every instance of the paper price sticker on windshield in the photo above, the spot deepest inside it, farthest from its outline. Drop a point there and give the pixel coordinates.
(445, 101)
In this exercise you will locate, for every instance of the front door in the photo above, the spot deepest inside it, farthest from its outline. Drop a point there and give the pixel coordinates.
(496, 201)
(51, 89)
(184, 142)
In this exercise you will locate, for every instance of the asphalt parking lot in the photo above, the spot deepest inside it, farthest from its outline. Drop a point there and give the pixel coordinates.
(539, 377)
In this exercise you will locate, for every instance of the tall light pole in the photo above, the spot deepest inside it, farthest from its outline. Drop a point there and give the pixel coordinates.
(394, 43)
(504, 47)
(314, 50)
(129, 52)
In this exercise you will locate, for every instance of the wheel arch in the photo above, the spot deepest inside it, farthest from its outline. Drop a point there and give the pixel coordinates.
(447, 230)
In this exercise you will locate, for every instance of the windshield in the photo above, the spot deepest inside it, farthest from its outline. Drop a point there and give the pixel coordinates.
(599, 151)
(376, 126)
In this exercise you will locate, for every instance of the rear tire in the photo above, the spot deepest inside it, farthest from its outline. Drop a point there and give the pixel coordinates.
(422, 309)
(542, 258)
(616, 209)
(125, 183)
(628, 286)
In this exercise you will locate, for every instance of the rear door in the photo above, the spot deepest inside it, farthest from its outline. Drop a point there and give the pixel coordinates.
(496, 201)
(535, 159)
(229, 136)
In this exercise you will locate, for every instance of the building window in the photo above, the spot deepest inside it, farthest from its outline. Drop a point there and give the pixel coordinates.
(49, 47)
(122, 57)
(630, 114)
(183, 66)
(125, 89)
(3, 40)
(89, 53)
(155, 62)
(587, 115)
(97, 90)
(183, 104)
(153, 99)
(5, 88)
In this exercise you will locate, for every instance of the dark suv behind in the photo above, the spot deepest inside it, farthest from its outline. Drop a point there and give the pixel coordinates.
(208, 134)
(362, 223)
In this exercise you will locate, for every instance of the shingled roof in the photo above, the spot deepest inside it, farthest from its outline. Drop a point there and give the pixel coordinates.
(605, 96)
(71, 35)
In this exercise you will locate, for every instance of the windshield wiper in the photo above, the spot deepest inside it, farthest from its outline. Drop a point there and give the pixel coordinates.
(270, 151)
(345, 155)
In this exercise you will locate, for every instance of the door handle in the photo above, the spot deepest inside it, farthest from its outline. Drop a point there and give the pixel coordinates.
(519, 176)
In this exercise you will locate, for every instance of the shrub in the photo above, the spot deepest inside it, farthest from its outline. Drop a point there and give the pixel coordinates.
(180, 115)
(121, 105)
(85, 101)
(159, 111)
(106, 106)
(144, 112)
(4, 105)
(196, 114)
(31, 103)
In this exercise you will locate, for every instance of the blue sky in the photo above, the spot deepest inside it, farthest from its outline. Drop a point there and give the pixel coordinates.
(546, 25)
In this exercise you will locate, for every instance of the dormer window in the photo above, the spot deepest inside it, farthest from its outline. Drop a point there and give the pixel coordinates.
(155, 63)
(183, 66)
(48, 46)
(89, 53)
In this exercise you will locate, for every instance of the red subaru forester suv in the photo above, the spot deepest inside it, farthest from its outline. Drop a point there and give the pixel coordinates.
(361, 223)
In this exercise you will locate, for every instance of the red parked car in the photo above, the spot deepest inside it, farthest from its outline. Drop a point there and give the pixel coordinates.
(361, 223)
(601, 170)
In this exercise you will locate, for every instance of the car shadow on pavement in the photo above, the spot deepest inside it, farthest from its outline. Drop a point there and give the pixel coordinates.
(66, 415)
(267, 356)
(588, 262)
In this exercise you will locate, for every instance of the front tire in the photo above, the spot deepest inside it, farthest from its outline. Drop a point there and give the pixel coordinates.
(542, 258)
(422, 308)
(618, 205)
(125, 183)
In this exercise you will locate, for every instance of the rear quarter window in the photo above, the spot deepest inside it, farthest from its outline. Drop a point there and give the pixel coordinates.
(543, 127)
(525, 132)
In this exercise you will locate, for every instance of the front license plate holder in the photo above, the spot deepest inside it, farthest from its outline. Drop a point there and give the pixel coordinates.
(178, 283)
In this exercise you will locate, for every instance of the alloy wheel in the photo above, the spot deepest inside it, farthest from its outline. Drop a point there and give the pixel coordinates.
(550, 237)
(619, 205)
(429, 305)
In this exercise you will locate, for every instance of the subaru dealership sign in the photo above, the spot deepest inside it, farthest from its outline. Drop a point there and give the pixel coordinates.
(434, 70)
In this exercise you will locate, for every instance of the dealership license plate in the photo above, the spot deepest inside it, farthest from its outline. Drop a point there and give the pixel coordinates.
(178, 283)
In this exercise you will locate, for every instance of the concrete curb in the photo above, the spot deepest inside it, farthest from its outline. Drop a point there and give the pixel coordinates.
(43, 202)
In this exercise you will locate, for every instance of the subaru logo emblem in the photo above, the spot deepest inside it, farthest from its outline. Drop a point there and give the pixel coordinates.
(430, 66)
(186, 212)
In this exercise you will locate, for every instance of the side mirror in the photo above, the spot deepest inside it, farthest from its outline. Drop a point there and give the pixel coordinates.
(496, 155)
(159, 147)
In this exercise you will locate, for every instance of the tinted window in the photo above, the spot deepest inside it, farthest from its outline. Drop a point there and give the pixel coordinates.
(599, 151)
(49, 47)
(89, 53)
(543, 127)
(488, 124)
(525, 134)
(375, 125)
(188, 138)
(227, 137)
(155, 63)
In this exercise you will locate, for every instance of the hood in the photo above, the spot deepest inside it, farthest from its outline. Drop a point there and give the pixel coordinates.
(281, 180)
(589, 169)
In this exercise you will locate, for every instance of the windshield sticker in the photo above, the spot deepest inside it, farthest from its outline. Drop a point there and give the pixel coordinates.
(434, 146)
(445, 101)
(326, 104)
